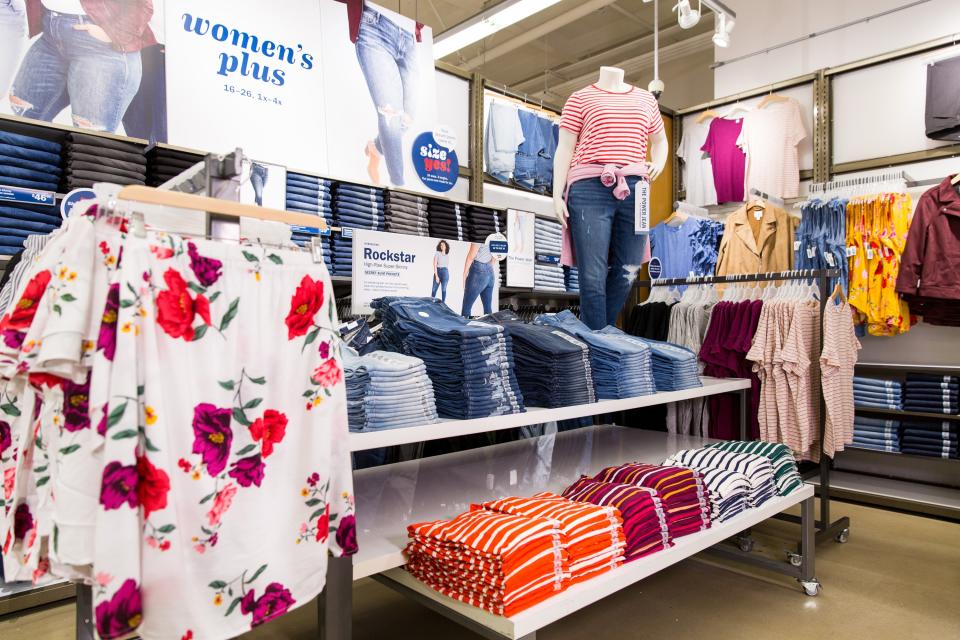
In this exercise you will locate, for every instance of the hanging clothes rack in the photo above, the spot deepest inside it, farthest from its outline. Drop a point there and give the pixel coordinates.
(826, 528)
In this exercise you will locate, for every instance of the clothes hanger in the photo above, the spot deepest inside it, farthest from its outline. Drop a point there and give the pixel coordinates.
(771, 98)
(676, 218)
(706, 115)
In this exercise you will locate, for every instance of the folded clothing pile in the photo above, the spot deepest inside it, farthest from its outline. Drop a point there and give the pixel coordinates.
(21, 221)
(876, 434)
(785, 472)
(547, 271)
(552, 366)
(164, 164)
(357, 381)
(359, 207)
(483, 221)
(644, 522)
(571, 279)
(621, 368)
(311, 195)
(931, 394)
(683, 497)
(594, 534)
(398, 392)
(29, 163)
(930, 438)
(877, 393)
(341, 253)
(92, 159)
(406, 213)
(729, 487)
(469, 362)
(448, 220)
(674, 367)
(498, 562)
(357, 335)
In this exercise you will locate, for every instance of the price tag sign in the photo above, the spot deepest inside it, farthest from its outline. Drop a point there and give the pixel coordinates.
(655, 268)
(545, 259)
(851, 252)
(74, 198)
(346, 232)
(830, 260)
(796, 245)
(435, 160)
(498, 246)
(869, 253)
(642, 207)
(27, 196)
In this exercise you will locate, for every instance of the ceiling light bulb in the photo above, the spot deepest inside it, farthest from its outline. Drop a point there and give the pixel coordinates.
(686, 16)
(724, 27)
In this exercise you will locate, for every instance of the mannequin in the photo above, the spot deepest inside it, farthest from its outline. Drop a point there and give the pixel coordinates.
(604, 223)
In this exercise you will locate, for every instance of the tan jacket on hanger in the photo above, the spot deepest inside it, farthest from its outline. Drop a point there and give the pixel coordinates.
(757, 246)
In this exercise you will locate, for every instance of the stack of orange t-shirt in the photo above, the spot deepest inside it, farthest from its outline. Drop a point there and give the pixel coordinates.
(644, 523)
(495, 561)
(594, 534)
(681, 491)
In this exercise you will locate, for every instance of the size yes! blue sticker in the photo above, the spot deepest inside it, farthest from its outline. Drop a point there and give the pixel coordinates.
(436, 164)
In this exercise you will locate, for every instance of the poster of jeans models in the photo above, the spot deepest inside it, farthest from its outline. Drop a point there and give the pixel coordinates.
(520, 239)
(94, 65)
(463, 275)
(263, 184)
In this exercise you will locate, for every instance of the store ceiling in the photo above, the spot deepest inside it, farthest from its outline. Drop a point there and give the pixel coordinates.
(559, 50)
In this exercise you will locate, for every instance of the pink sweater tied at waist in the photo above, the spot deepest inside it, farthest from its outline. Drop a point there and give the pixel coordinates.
(610, 175)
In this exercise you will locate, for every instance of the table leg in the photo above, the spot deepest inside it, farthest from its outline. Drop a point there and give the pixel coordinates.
(808, 544)
(335, 604)
(84, 612)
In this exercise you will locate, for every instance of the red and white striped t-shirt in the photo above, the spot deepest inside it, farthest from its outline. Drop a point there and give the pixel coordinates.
(611, 127)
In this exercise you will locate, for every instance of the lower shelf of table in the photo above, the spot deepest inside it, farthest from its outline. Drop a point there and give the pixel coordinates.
(897, 494)
(582, 595)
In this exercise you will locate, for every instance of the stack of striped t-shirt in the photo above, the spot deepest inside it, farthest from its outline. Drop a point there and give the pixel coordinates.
(495, 561)
(594, 534)
(758, 471)
(781, 457)
(680, 490)
(644, 523)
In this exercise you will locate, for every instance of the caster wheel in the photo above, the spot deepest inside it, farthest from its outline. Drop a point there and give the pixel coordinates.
(795, 559)
(746, 544)
(811, 588)
(843, 536)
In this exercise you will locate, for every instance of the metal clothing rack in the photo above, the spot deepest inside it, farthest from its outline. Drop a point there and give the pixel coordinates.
(826, 528)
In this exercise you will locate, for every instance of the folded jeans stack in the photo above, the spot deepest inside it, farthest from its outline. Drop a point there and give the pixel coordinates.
(621, 368)
(931, 394)
(357, 335)
(876, 434)
(164, 164)
(397, 391)
(357, 381)
(571, 279)
(92, 159)
(877, 393)
(28, 162)
(674, 367)
(644, 522)
(470, 362)
(358, 207)
(406, 213)
(594, 533)
(447, 219)
(498, 562)
(785, 471)
(311, 195)
(935, 439)
(484, 221)
(552, 365)
(547, 271)
(686, 505)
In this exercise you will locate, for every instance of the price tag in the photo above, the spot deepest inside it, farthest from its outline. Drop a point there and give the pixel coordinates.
(851, 252)
(811, 251)
(830, 259)
(545, 259)
(346, 232)
(758, 214)
(796, 245)
(27, 196)
(641, 223)
(869, 253)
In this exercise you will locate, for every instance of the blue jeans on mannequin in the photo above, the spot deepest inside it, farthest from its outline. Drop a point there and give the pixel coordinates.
(69, 67)
(609, 253)
(258, 180)
(388, 59)
(479, 284)
(443, 277)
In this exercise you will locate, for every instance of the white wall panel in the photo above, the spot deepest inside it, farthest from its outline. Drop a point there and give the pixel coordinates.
(453, 110)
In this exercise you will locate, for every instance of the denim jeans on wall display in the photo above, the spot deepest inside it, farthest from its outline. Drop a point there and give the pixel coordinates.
(13, 40)
(480, 281)
(609, 253)
(258, 180)
(388, 58)
(443, 277)
(69, 67)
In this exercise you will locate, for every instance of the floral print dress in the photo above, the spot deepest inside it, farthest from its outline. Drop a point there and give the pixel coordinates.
(174, 430)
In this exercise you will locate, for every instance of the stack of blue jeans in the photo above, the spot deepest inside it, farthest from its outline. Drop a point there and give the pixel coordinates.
(357, 335)
(936, 439)
(547, 271)
(396, 391)
(621, 367)
(28, 162)
(311, 195)
(470, 363)
(876, 434)
(552, 365)
(877, 393)
(571, 279)
(674, 367)
(931, 394)
(354, 207)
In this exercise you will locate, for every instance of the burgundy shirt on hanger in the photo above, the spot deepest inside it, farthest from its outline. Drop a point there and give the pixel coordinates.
(728, 160)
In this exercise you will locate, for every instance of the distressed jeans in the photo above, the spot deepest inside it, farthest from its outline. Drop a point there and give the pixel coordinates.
(388, 59)
(13, 40)
(609, 253)
(443, 277)
(69, 67)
